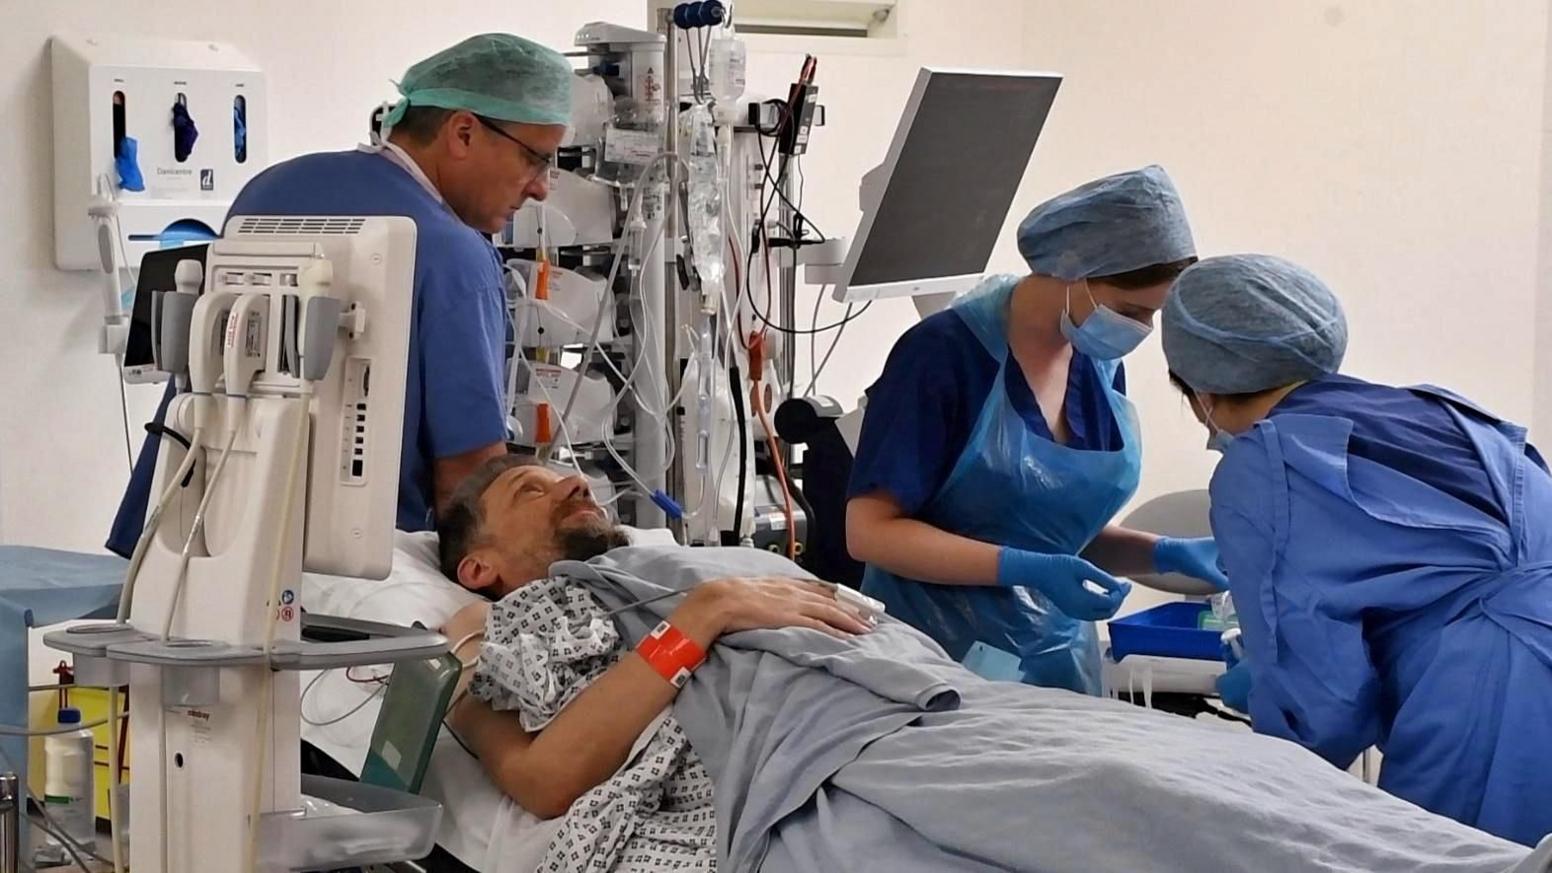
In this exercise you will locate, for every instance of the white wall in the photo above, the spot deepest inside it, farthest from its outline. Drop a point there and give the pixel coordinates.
(328, 64)
(1393, 147)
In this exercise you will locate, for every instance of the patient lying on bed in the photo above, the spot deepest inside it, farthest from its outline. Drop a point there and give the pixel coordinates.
(811, 740)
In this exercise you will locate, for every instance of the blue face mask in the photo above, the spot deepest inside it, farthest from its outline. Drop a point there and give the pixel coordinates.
(1218, 439)
(1105, 334)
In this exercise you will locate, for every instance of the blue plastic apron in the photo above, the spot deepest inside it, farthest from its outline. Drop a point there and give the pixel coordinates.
(1015, 488)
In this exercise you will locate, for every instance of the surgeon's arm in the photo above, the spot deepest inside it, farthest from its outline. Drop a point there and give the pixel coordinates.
(879, 532)
(446, 473)
(589, 740)
(1311, 677)
(1127, 552)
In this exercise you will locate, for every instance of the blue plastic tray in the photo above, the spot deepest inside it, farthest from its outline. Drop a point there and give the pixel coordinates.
(1168, 630)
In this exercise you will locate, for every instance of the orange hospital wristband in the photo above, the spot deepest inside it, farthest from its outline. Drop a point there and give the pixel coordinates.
(672, 654)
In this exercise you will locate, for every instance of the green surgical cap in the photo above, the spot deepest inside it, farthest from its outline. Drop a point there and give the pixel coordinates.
(495, 75)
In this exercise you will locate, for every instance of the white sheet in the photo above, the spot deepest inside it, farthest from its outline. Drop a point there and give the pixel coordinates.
(480, 825)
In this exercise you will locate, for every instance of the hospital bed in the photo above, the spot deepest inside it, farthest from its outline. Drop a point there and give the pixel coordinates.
(481, 828)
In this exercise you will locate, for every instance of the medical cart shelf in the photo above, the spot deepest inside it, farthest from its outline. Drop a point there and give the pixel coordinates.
(341, 823)
(356, 824)
(381, 644)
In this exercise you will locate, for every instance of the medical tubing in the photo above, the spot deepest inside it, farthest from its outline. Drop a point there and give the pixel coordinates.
(142, 545)
(518, 331)
(194, 531)
(614, 269)
(462, 666)
(757, 401)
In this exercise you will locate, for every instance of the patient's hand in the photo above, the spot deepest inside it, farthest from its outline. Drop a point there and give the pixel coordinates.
(725, 606)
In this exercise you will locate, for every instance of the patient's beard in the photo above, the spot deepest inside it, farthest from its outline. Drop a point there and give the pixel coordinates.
(589, 539)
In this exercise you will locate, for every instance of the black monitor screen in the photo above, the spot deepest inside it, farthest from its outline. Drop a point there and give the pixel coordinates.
(958, 171)
(156, 274)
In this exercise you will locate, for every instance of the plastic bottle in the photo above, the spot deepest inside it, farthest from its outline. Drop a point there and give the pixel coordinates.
(68, 790)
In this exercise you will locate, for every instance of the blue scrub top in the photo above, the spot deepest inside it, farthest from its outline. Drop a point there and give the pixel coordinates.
(459, 326)
(1393, 578)
(922, 408)
(1395, 428)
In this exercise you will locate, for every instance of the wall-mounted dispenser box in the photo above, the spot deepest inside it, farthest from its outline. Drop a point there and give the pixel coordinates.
(173, 129)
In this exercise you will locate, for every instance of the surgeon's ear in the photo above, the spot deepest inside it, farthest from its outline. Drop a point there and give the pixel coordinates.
(460, 130)
(477, 572)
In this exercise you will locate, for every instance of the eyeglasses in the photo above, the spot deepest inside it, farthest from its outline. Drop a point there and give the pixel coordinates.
(540, 161)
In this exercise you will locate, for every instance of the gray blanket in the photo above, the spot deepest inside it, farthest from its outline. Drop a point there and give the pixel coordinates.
(880, 753)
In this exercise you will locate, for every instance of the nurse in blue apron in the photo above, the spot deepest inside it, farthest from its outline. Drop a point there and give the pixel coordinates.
(998, 443)
(1388, 551)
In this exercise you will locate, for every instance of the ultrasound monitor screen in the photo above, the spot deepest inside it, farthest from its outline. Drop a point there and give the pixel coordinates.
(961, 164)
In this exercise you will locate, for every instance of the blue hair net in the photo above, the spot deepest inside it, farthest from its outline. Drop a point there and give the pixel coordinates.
(1246, 323)
(1112, 225)
(495, 75)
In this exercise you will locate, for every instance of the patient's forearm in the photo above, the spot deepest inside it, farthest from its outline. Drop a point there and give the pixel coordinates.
(591, 737)
(589, 740)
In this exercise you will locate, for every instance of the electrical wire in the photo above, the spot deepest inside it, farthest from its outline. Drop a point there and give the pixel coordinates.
(194, 532)
(729, 310)
(129, 451)
(129, 273)
(813, 344)
(768, 201)
(817, 369)
(143, 545)
(336, 720)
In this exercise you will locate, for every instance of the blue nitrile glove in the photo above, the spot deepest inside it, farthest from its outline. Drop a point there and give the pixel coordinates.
(126, 161)
(1197, 558)
(1061, 578)
(1234, 687)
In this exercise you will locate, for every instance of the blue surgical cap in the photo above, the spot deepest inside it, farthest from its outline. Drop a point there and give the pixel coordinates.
(1246, 323)
(1112, 225)
(495, 75)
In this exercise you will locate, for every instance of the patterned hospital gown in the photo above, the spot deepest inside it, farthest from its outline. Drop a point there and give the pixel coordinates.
(544, 644)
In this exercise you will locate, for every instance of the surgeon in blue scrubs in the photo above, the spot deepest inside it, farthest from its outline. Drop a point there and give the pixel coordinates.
(470, 141)
(1388, 551)
(999, 442)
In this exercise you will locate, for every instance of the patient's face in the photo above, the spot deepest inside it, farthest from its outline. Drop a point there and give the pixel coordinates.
(535, 516)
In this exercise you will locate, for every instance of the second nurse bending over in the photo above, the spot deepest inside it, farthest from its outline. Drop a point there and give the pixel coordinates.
(999, 443)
